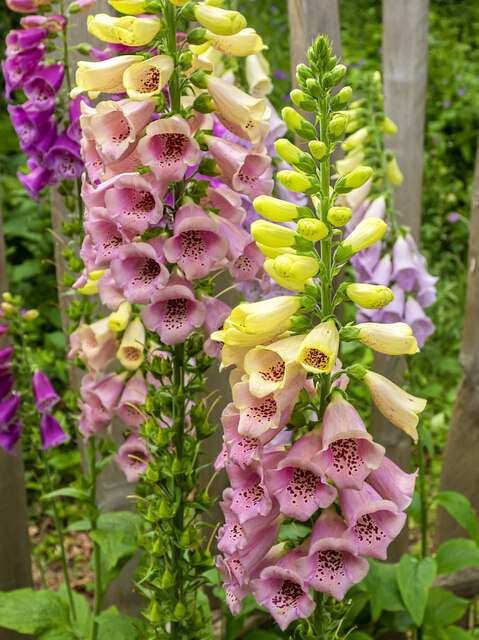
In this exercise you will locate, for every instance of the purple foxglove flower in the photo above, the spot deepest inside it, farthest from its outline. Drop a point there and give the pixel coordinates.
(74, 129)
(372, 522)
(348, 453)
(44, 393)
(64, 158)
(196, 245)
(41, 89)
(174, 312)
(357, 215)
(392, 483)
(99, 401)
(366, 261)
(139, 269)
(88, 252)
(283, 591)
(37, 180)
(3, 330)
(19, 40)
(134, 395)
(132, 458)
(34, 128)
(6, 383)
(111, 295)
(168, 148)
(377, 208)
(394, 312)
(382, 272)
(426, 287)
(405, 268)
(332, 565)
(422, 326)
(21, 66)
(51, 432)
(10, 435)
(298, 483)
(5, 353)
(8, 409)
(23, 6)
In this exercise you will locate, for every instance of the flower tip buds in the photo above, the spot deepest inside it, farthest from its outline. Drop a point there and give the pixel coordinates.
(357, 178)
(296, 182)
(275, 209)
(337, 126)
(302, 100)
(318, 149)
(369, 296)
(273, 235)
(219, 21)
(339, 216)
(312, 229)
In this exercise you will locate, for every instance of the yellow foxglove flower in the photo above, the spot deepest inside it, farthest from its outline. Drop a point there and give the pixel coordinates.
(274, 252)
(258, 75)
(105, 76)
(145, 79)
(393, 172)
(389, 126)
(179, 3)
(288, 151)
(118, 320)
(355, 139)
(131, 7)
(398, 406)
(275, 209)
(90, 287)
(234, 336)
(271, 367)
(245, 43)
(368, 231)
(339, 216)
(266, 315)
(357, 177)
(393, 339)
(350, 162)
(273, 235)
(219, 21)
(312, 229)
(369, 296)
(295, 181)
(128, 30)
(239, 112)
(292, 271)
(319, 349)
(132, 346)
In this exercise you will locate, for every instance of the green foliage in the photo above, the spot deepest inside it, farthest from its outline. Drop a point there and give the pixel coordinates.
(414, 579)
(461, 510)
(457, 554)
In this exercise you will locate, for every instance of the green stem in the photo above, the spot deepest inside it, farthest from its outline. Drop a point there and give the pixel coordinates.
(173, 83)
(61, 540)
(98, 595)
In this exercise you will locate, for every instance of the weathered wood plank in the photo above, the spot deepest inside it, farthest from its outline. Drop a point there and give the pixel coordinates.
(460, 471)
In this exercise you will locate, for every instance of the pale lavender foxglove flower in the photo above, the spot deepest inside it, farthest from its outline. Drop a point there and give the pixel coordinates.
(421, 325)
(132, 458)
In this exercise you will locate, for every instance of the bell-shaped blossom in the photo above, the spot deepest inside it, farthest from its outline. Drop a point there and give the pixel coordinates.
(8, 409)
(398, 406)
(392, 339)
(283, 591)
(319, 349)
(250, 497)
(196, 244)
(404, 267)
(10, 435)
(6, 383)
(139, 269)
(64, 158)
(126, 30)
(104, 76)
(348, 453)
(133, 396)
(237, 111)
(392, 483)
(33, 128)
(106, 236)
(373, 523)
(98, 401)
(332, 565)
(132, 458)
(41, 89)
(118, 320)
(51, 432)
(37, 180)
(96, 344)
(298, 481)
(45, 396)
(54, 23)
(22, 6)
(248, 265)
(246, 171)
(421, 325)
(174, 312)
(382, 272)
(394, 311)
(143, 80)
(116, 126)
(168, 148)
(132, 346)
(6, 353)
(111, 294)
(216, 313)
(228, 202)
(365, 262)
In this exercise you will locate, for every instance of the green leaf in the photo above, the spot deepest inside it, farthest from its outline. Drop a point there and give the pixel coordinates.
(459, 507)
(456, 633)
(373, 584)
(391, 596)
(414, 579)
(69, 492)
(82, 611)
(359, 635)
(457, 554)
(444, 608)
(41, 613)
(259, 634)
(112, 625)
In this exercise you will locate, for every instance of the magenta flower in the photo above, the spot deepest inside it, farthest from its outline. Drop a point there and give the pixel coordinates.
(246, 171)
(392, 483)
(33, 128)
(8, 409)
(139, 269)
(372, 522)
(51, 432)
(41, 89)
(64, 158)
(10, 435)
(196, 245)
(37, 180)
(332, 565)
(283, 591)
(5, 353)
(45, 396)
(348, 453)
(54, 23)
(6, 383)
(133, 396)
(174, 312)
(19, 40)
(132, 458)
(168, 148)
(299, 483)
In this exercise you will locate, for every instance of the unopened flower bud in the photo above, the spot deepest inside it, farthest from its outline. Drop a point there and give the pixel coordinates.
(389, 126)
(337, 126)
(368, 231)
(303, 73)
(353, 180)
(219, 21)
(287, 150)
(279, 210)
(118, 320)
(30, 315)
(318, 149)
(338, 74)
(393, 172)
(314, 87)
(8, 308)
(7, 296)
(297, 182)
(341, 99)
(271, 234)
(355, 139)
(180, 610)
(369, 296)
(298, 124)
(339, 216)
(312, 229)
(303, 101)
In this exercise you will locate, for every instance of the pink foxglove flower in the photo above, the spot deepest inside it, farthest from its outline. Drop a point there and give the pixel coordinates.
(392, 483)
(133, 396)
(96, 344)
(228, 202)
(348, 453)
(106, 236)
(174, 312)
(132, 458)
(111, 294)
(196, 245)
(332, 565)
(373, 523)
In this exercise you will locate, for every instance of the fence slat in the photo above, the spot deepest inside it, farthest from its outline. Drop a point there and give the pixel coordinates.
(404, 46)
(460, 471)
(15, 564)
